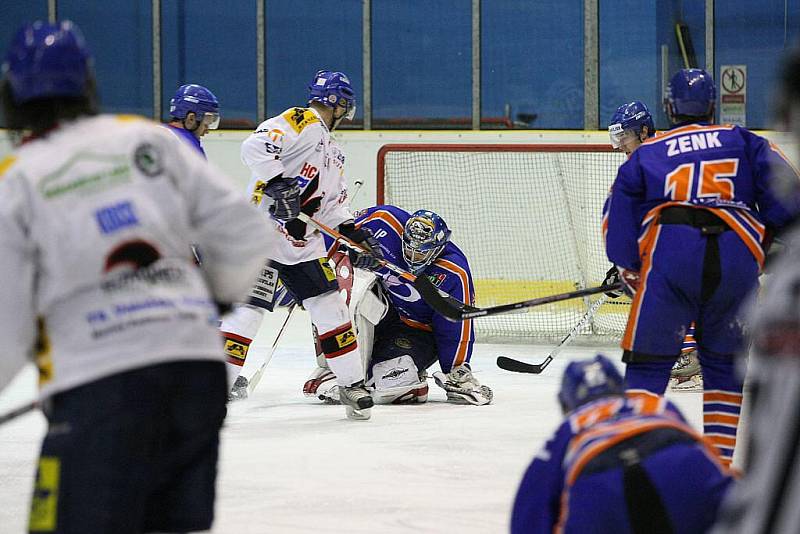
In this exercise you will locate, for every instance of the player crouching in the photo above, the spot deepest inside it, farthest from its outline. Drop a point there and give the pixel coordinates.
(611, 465)
(401, 336)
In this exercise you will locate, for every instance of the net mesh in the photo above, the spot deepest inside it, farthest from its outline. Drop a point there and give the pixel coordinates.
(528, 219)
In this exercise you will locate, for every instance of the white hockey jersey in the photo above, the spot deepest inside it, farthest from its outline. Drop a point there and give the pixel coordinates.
(97, 275)
(298, 145)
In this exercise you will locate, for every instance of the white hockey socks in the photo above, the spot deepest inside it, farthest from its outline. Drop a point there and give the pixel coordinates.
(336, 337)
(238, 329)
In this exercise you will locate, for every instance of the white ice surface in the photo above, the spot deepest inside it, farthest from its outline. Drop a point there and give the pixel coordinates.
(292, 465)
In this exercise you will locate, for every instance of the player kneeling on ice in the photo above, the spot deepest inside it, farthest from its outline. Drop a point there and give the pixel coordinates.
(401, 335)
(611, 465)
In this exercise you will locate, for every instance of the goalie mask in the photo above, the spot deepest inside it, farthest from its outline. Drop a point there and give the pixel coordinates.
(424, 237)
(587, 380)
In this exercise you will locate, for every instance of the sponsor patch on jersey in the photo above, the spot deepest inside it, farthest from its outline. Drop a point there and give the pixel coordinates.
(327, 270)
(299, 118)
(437, 279)
(116, 171)
(116, 217)
(235, 350)
(345, 339)
(258, 192)
(403, 343)
(44, 503)
(147, 159)
(272, 149)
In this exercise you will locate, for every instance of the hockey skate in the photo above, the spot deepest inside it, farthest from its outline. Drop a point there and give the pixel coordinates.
(239, 389)
(357, 401)
(322, 385)
(686, 375)
(462, 387)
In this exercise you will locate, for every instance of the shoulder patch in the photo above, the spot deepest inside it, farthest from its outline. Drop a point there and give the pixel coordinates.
(437, 279)
(6, 163)
(299, 118)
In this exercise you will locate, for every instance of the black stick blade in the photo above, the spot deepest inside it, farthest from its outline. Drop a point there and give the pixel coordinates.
(516, 366)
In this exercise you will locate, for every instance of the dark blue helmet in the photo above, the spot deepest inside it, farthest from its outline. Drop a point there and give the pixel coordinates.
(424, 236)
(333, 89)
(193, 98)
(691, 92)
(48, 60)
(630, 117)
(587, 380)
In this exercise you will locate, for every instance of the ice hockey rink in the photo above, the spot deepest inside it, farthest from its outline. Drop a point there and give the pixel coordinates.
(290, 464)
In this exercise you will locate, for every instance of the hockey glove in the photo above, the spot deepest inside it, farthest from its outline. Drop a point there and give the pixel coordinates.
(286, 196)
(612, 277)
(631, 280)
(364, 237)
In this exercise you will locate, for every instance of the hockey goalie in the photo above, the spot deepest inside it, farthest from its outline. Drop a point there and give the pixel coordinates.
(400, 335)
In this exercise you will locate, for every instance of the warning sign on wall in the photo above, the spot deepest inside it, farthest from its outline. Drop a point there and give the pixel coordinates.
(733, 94)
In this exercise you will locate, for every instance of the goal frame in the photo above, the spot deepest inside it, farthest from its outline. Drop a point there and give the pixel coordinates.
(475, 147)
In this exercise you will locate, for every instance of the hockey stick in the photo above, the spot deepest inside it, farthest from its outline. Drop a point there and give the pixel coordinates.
(462, 313)
(16, 412)
(517, 366)
(443, 300)
(256, 378)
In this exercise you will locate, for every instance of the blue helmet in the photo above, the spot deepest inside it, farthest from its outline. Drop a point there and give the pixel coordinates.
(630, 117)
(424, 236)
(193, 98)
(48, 60)
(588, 380)
(333, 89)
(691, 92)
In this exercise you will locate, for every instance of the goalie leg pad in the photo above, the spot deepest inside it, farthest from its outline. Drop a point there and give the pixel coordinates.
(398, 381)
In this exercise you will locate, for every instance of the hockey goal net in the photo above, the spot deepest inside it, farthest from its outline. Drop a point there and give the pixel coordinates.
(528, 217)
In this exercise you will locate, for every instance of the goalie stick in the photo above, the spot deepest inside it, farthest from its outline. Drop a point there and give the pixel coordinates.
(517, 366)
(451, 309)
(442, 299)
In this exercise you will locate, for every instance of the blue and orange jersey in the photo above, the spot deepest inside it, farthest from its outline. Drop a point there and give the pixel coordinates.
(725, 169)
(585, 434)
(450, 272)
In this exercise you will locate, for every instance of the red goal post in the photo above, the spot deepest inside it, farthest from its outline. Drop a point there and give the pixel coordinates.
(527, 216)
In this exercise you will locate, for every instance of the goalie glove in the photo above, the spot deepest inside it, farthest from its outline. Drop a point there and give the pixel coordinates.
(612, 277)
(364, 237)
(285, 194)
(631, 279)
(462, 387)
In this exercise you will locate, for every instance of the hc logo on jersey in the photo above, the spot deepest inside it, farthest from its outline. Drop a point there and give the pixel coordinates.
(116, 217)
